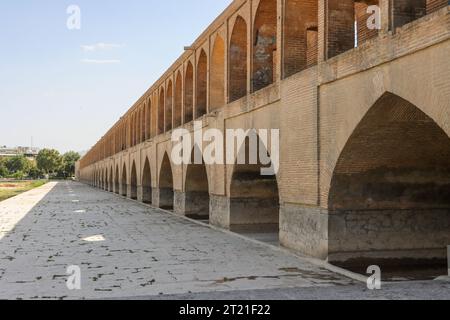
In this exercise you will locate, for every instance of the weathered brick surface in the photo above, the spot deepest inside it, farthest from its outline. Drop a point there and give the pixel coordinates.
(317, 110)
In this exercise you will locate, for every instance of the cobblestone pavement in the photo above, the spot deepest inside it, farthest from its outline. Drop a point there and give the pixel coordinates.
(126, 249)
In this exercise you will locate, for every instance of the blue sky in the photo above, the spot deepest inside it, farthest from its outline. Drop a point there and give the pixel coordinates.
(66, 88)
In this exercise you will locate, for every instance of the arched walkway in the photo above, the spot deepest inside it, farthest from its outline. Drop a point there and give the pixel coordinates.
(147, 183)
(254, 198)
(166, 184)
(111, 181)
(390, 190)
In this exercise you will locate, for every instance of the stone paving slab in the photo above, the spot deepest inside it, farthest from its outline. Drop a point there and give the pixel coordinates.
(417, 290)
(125, 249)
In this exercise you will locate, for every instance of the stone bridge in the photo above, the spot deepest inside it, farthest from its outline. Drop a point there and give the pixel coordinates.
(364, 120)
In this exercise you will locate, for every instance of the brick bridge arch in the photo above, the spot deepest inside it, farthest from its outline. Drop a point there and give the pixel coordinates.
(390, 189)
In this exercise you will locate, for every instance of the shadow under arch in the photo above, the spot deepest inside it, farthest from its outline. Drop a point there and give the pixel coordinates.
(110, 180)
(389, 198)
(133, 182)
(124, 181)
(196, 186)
(116, 181)
(165, 189)
(147, 183)
(254, 198)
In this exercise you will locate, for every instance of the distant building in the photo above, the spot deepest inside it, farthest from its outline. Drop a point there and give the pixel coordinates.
(25, 151)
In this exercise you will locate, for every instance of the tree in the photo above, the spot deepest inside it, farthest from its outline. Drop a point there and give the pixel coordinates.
(35, 173)
(4, 172)
(18, 163)
(49, 160)
(69, 160)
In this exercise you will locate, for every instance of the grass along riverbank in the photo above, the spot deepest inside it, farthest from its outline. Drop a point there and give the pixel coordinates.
(9, 189)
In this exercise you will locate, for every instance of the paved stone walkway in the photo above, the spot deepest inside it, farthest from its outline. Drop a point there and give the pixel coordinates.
(125, 249)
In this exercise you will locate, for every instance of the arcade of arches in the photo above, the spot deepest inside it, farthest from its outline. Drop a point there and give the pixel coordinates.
(364, 121)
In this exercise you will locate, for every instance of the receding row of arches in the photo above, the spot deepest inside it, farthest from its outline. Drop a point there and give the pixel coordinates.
(253, 57)
(391, 182)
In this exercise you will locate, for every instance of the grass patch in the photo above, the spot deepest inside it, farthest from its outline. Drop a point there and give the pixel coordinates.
(9, 189)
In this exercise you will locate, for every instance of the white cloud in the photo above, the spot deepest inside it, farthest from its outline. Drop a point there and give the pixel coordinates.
(96, 61)
(100, 46)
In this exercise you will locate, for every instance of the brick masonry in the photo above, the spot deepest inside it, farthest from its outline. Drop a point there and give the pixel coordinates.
(321, 108)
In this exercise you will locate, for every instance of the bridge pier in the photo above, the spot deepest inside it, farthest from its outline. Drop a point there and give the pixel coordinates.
(219, 208)
(304, 228)
(140, 194)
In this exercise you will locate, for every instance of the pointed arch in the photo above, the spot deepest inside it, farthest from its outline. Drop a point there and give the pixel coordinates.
(177, 107)
(189, 93)
(217, 74)
(166, 196)
(161, 106)
(148, 119)
(391, 183)
(197, 199)
(146, 183)
(264, 44)
(202, 80)
(124, 186)
(238, 60)
(117, 181)
(169, 102)
(254, 198)
(133, 182)
(111, 180)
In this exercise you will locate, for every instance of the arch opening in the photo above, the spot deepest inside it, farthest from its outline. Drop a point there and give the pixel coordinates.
(111, 181)
(147, 183)
(197, 190)
(133, 182)
(189, 94)
(389, 199)
(254, 199)
(124, 181)
(349, 24)
(202, 72)
(238, 61)
(168, 114)
(217, 75)
(161, 112)
(264, 45)
(177, 107)
(166, 193)
(116, 181)
(406, 11)
(300, 36)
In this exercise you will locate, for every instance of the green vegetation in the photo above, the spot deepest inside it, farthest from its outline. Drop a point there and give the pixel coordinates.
(10, 189)
(48, 163)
